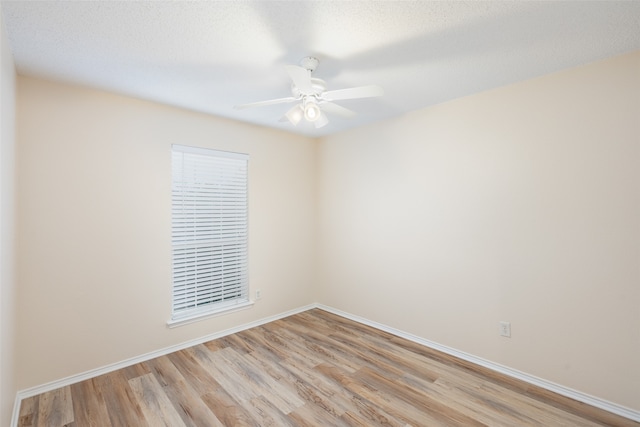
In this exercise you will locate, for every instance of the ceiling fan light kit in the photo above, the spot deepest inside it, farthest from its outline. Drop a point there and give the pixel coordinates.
(295, 114)
(312, 96)
(311, 110)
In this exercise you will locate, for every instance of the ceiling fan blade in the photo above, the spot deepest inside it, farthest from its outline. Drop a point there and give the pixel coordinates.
(264, 103)
(321, 121)
(338, 110)
(301, 78)
(353, 92)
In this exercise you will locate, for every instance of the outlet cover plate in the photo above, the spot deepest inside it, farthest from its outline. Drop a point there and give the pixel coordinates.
(505, 329)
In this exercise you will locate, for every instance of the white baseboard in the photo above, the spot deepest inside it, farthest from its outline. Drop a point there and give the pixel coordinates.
(548, 385)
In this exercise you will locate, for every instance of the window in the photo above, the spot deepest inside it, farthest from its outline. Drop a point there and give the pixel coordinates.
(209, 231)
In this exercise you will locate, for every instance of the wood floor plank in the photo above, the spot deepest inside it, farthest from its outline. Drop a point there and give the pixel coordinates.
(89, 407)
(397, 408)
(310, 369)
(156, 406)
(535, 408)
(55, 408)
(229, 380)
(365, 413)
(461, 366)
(237, 342)
(185, 399)
(228, 410)
(29, 406)
(285, 344)
(259, 339)
(259, 382)
(121, 403)
(315, 398)
(383, 353)
(272, 387)
(580, 409)
(197, 375)
(29, 411)
(327, 349)
(319, 392)
(470, 401)
(311, 415)
(135, 370)
(299, 348)
(417, 398)
(269, 415)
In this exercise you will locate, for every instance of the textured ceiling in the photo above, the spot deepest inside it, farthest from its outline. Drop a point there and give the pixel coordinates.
(209, 56)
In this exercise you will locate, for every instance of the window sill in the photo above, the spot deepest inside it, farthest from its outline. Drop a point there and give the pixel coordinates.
(202, 316)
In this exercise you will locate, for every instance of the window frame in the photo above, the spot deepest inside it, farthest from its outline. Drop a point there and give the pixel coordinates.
(209, 233)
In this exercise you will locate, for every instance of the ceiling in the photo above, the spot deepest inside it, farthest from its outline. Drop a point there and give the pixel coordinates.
(208, 56)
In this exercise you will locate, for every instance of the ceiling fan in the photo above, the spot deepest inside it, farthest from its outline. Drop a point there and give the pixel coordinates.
(312, 97)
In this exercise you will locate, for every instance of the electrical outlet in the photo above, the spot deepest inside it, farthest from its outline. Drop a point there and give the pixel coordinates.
(258, 294)
(505, 329)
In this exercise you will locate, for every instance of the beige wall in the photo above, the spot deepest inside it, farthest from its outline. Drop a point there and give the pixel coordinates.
(94, 256)
(7, 224)
(519, 204)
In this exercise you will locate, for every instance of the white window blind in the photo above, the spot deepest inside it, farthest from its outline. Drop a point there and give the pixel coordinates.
(209, 230)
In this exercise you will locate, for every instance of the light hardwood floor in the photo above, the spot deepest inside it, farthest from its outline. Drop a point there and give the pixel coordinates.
(310, 369)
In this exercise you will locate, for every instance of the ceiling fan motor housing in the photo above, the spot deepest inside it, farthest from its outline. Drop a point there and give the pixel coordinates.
(318, 85)
(310, 63)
